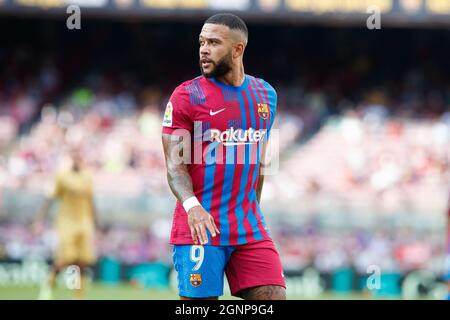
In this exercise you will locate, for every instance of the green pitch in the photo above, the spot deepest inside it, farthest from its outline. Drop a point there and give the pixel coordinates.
(98, 291)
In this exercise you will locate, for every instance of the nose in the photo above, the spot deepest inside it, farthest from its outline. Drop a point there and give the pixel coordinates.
(204, 50)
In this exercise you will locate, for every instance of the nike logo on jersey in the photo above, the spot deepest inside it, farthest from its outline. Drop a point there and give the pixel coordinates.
(213, 113)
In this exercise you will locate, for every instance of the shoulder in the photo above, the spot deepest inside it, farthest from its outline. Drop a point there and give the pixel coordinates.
(268, 86)
(185, 86)
(265, 85)
(268, 90)
(192, 90)
(61, 175)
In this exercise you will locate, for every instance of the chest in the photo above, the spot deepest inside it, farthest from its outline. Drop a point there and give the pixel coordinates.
(76, 185)
(231, 110)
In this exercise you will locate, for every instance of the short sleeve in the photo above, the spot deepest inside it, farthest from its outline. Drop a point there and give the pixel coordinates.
(273, 109)
(273, 100)
(177, 114)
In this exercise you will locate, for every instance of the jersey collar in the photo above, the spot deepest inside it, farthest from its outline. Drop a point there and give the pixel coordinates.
(226, 86)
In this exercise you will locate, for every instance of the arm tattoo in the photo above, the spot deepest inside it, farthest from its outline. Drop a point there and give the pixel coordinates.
(178, 177)
(180, 183)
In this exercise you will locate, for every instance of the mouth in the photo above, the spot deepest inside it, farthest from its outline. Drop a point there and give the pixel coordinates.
(205, 63)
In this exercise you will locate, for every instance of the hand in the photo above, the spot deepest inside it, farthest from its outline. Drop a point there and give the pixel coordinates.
(199, 220)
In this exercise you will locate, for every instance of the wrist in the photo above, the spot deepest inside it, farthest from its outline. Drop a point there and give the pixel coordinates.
(190, 203)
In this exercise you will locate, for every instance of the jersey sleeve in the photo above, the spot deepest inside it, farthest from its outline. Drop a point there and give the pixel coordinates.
(273, 100)
(178, 113)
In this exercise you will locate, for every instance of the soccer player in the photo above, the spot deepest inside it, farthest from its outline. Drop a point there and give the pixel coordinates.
(75, 224)
(215, 129)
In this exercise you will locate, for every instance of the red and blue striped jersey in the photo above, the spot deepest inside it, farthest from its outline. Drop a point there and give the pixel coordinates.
(226, 127)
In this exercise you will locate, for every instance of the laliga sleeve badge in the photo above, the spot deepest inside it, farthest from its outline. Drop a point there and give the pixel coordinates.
(167, 122)
(263, 110)
(196, 279)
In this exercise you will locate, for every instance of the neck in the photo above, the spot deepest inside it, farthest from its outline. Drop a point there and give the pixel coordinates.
(235, 77)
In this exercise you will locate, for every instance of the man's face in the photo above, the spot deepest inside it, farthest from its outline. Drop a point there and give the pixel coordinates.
(215, 50)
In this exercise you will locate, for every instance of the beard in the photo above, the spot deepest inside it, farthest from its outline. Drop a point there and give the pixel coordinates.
(220, 68)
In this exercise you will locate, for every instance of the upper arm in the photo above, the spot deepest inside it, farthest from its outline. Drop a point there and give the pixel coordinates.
(177, 115)
(177, 128)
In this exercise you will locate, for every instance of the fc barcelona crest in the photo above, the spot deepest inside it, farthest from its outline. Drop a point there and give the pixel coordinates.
(263, 110)
(196, 279)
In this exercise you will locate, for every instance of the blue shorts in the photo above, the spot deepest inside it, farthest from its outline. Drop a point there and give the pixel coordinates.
(201, 269)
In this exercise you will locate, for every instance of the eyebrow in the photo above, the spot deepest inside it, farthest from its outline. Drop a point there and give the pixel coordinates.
(209, 39)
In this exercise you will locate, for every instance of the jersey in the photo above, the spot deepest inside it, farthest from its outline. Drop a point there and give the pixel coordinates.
(74, 190)
(226, 127)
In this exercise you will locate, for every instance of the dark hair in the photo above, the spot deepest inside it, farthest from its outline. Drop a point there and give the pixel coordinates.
(230, 20)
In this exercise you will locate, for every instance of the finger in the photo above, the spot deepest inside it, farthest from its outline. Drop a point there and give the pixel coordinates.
(210, 228)
(214, 225)
(204, 237)
(193, 234)
(199, 233)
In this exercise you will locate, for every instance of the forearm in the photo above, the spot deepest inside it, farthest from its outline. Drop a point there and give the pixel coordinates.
(180, 182)
(178, 176)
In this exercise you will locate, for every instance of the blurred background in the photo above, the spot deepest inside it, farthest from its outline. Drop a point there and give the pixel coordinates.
(364, 120)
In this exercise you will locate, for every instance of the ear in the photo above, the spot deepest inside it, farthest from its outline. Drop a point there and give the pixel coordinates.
(238, 50)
